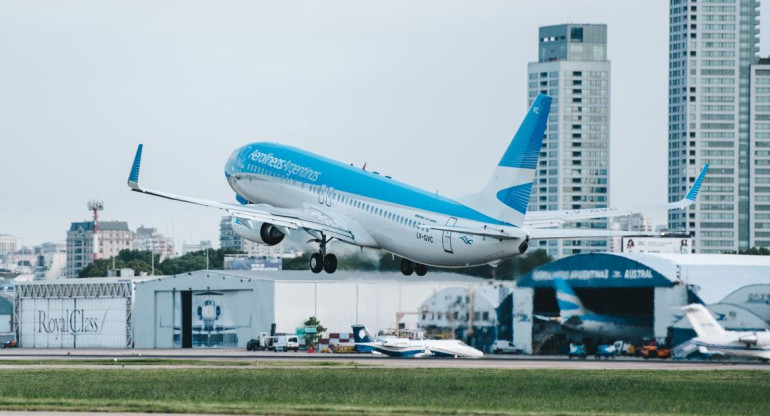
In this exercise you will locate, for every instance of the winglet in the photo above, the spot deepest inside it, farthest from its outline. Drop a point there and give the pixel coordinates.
(133, 177)
(692, 194)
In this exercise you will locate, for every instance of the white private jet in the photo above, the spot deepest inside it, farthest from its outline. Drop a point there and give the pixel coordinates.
(416, 348)
(281, 188)
(713, 338)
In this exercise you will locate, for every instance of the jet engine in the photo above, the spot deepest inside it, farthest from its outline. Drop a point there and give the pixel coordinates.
(758, 339)
(257, 231)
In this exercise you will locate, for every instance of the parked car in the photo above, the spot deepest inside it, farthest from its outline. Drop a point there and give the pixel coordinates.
(504, 347)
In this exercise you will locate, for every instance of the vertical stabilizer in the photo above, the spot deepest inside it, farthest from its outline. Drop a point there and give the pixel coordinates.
(703, 322)
(569, 304)
(361, 334)
(506, 195)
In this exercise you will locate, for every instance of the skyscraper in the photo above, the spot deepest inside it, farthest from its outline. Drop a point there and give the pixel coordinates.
(712, 45)
(573, 169)
(759, 155)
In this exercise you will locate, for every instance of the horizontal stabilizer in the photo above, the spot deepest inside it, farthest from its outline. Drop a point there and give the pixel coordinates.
(572, 233)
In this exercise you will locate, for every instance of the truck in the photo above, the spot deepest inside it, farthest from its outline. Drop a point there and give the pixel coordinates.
(266, 342)
(504, 347)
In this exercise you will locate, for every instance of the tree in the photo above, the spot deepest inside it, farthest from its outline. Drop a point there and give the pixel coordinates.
(297, 263)
(312, 339)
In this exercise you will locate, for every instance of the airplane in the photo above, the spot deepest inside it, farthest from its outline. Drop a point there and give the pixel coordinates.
(712, 338)
(281, 188)
(405, 347)
(574, 316)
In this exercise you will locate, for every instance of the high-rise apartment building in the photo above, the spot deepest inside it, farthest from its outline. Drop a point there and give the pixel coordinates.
(759, 155)
(573, 168)
(114, 236)
(712, 45)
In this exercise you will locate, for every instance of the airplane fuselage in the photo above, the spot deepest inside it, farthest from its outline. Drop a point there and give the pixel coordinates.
(730, 345)
(610, 326)
(381, 212)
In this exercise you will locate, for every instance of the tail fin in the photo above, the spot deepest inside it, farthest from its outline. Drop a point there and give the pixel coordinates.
(703, 322)
(361, 334)
(569, 303)
(506, 195)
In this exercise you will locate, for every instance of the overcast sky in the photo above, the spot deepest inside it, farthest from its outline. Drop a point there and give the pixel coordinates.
(429, 92)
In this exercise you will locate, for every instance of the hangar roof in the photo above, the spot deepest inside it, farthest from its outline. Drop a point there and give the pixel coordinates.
(711, 276)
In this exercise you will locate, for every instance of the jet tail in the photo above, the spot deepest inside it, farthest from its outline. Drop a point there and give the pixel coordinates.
(361, 334)
(568, 301)
(703, 322)
(506, 195)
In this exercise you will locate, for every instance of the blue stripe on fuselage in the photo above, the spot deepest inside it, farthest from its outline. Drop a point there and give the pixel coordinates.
(346, 178)
(616, 319)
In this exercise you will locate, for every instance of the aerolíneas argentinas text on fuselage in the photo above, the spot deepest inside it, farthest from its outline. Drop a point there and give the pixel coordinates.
(281, 188)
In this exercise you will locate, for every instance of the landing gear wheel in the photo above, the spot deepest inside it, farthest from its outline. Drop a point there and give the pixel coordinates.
(330, 263)
(420, 269)
(407, 267)
(316, 264)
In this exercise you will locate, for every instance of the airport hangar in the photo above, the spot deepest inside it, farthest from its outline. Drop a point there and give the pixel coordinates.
(645, 284)
(216, 308)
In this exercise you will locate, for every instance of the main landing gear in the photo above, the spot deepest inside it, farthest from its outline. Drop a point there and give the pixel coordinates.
(322, 261)
(408, 267)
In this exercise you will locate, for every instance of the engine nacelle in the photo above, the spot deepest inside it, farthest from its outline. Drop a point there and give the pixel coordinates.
(257, 231)
(759, 339)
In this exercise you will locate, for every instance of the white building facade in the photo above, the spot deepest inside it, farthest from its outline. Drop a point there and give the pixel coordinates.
(712, 44)
(573, 168)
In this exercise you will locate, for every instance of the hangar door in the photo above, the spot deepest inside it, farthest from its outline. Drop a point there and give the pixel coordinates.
(203, 318)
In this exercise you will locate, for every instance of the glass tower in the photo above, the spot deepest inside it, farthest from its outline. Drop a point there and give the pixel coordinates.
(712, 45)
(573, 168)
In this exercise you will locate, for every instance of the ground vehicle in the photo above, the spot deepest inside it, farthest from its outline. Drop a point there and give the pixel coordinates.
(504, 347)
(285, 343)
(624, 348)
(654, 351)
(607, 351)
(273, 343)
(577, 351)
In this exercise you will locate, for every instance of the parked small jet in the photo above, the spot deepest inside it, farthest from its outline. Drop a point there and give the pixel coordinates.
(281, 188)
(574, 316)
(713, 338)
(405, 347)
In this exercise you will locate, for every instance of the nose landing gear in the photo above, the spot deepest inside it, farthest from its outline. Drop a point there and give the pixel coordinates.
(322, 261)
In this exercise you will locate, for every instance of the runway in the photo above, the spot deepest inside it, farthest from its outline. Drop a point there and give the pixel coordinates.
(56, 358)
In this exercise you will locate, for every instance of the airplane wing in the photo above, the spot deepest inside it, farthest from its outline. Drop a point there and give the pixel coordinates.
(541, 219)
(308, 219)
(579, 233)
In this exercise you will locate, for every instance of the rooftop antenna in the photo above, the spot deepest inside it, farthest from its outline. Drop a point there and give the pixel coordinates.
(96, 206)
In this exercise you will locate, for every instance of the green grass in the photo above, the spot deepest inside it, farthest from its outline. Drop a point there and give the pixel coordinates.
(181, 363)
(388, 391)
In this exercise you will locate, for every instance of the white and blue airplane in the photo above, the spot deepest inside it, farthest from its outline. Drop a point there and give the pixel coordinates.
(281, 188)
(712, 338)
(574, 316)
(408, 348)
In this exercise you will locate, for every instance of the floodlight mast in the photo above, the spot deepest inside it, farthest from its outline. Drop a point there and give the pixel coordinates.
(96, 206)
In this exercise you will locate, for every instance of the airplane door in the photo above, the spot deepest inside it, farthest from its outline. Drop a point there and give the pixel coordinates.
(447, 237)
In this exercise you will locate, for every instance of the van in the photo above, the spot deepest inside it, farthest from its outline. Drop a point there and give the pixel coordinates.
(286, 343)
